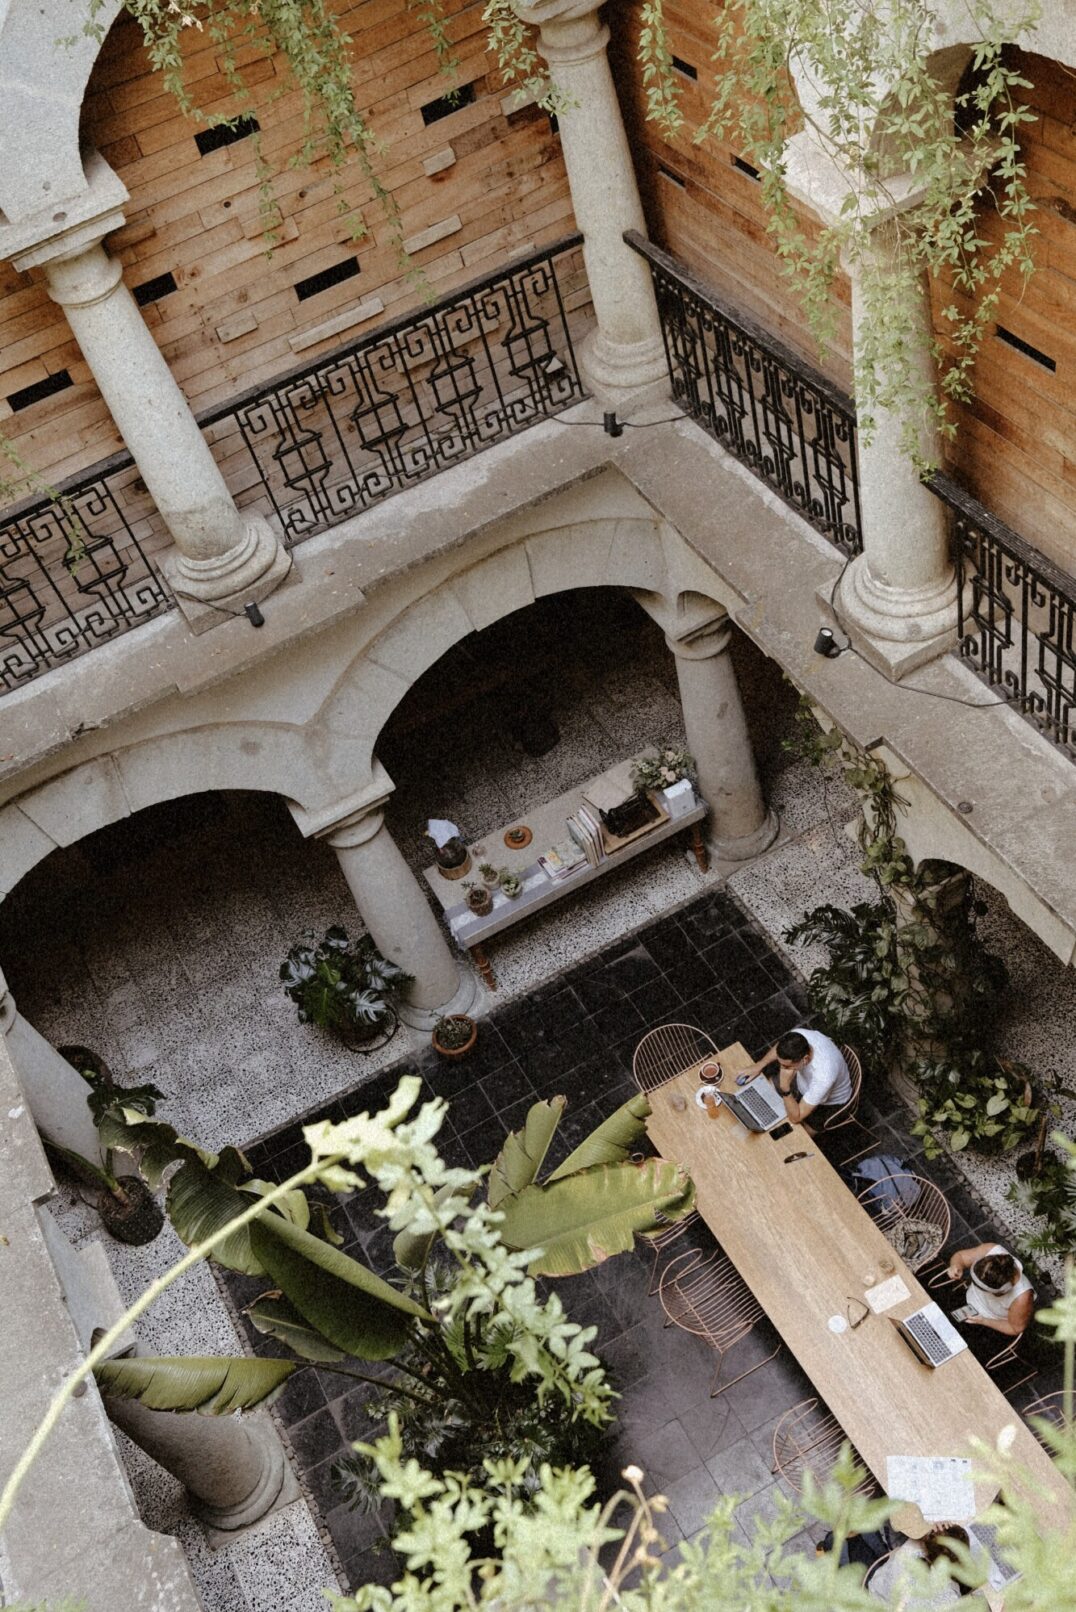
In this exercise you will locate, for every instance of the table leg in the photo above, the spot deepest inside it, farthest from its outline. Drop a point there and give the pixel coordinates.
(484, 966)
(698, 845)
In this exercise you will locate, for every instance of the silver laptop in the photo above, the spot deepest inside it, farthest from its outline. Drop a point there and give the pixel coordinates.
(984, 1535)
(931, 1335)
(756, 1105)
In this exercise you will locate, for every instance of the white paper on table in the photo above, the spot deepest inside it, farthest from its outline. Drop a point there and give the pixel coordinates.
(940, 1485)
(886, 1294)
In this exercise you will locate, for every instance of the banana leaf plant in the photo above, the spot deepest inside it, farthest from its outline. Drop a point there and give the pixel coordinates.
(455, 1383)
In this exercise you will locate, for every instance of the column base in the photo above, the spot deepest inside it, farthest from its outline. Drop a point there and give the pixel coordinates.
(746, 846)
(896, 629)
(275, 1488)
(461, 1001)
(226, 584)
(619, 373)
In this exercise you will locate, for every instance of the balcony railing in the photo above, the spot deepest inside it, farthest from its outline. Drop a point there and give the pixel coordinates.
(1017, 617)
(311, 448)
(790, 426)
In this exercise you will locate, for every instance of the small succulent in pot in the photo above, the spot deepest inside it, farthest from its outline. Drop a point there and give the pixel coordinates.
(489, 873)
(454, 1035)
(510, 883)
(479, 899)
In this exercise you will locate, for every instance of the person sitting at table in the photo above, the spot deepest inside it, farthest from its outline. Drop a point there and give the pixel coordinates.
(998, 1293)
(812, 1073)
(889, 1580)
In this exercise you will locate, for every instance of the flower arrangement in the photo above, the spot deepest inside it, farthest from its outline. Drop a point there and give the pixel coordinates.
(666, 766)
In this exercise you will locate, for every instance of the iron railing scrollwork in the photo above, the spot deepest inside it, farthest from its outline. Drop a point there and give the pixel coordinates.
(74, 571)
(414, 397)
(314, 446)
(1016, 616)
(783, 420)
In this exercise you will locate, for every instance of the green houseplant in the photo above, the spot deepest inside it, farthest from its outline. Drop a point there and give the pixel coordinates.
(510, 883)
(454, 1035)
(346, 986)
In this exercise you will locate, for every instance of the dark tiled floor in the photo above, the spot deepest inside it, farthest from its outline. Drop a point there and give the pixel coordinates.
(709, 965)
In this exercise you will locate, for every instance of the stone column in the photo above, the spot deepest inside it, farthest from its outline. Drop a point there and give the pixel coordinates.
(394, 908)
(740, 825)
(626, 354)
(901, 591)
(223, 558)
(232, 1467)
(55, 1090)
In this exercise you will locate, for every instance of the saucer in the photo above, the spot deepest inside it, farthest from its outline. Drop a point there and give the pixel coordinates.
(701, 1093)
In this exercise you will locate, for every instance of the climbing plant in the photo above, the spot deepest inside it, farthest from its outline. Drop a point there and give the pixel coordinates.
(909, 981)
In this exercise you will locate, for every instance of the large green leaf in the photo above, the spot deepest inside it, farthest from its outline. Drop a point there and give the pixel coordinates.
(581, 1220)
(200, 1203)
(214, 1386)
(277, 1318)
(614, 1140)
(341, 1299)
(523, 1153)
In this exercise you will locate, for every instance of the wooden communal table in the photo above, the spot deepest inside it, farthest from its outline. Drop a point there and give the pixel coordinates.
(547, 825)
(805, 1246)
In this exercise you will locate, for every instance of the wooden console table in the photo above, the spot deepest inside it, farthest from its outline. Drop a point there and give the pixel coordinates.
(547, 823)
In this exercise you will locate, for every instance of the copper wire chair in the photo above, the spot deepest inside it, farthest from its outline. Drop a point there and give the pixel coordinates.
(705, 1295)
(666, 1052)
(808, 1438)
(660, 1241)
(929, 1204)
(845, 1117)
(1050, 1408)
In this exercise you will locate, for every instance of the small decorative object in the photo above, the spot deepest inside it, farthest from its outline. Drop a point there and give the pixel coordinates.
(449, 852)
(511, 884)
(345, 985)
(489, 874)
(679, 798)
(666, 766)
(479, 899)
(454, 1035)
(516, 838)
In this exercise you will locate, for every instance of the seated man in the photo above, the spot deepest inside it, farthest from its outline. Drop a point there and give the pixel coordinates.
(998, 1295)
(812, 1073)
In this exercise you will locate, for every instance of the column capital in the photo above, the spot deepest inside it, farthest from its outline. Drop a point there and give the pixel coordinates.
(341, 824)
(67, 229)
(571, 30)
(703, 642)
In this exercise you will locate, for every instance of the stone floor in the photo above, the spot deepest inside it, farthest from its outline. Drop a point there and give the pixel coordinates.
(708, 963)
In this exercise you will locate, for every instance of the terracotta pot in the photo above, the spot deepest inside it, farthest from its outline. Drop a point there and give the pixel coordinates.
(460, 1051)
(484, 904)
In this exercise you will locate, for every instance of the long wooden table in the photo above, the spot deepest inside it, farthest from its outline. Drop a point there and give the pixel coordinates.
(805, 1247)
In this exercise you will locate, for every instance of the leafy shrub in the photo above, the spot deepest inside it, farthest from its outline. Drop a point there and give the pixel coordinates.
(343, 985)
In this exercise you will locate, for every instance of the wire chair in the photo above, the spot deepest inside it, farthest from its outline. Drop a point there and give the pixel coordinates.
(808, 1438)
(1050, 1408)
(706, 1296)
(1010, 1354)
(666, 1052)
(660, 1241)
(845, 1117)
(929, 1206)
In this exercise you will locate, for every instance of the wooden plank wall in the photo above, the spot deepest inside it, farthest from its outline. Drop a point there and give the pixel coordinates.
(713, 218)
(1016, 442)
(497, 188)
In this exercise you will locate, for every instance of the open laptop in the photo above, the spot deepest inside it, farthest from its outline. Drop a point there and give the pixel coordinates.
(984, 1535)
(756, 1105)
(931, 1335)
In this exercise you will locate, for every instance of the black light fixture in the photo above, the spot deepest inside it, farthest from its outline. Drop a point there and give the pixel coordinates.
(611, 425)
(825, 644)
(254, 615)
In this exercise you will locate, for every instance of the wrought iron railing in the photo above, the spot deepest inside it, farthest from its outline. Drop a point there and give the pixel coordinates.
(1017, 616)
(415, 396)
(311, 447)
(74, 569)
(790, 426)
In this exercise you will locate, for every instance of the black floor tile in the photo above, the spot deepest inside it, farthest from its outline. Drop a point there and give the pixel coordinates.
(316, 1439)
(507, 1086)
(633, 969)
(657, 1001)
(302, 1396)
(667, 944)
(599, 991)
(621, 1019)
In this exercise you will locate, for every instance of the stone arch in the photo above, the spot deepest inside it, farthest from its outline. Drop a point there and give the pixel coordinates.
(42, 85)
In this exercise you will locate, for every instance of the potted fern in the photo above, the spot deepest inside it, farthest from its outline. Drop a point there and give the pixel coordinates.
(346, 986)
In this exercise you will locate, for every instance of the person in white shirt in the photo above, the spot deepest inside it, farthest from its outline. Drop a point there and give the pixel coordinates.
(812, 1074)
(998, 1293)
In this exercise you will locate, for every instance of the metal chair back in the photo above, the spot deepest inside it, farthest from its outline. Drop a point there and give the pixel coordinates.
(928, 1204)
(705, 1295)
(809, 1438)
(845, 1115)
(666, 1052)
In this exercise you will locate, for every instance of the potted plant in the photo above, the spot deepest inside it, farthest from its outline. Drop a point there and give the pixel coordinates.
(345, 986)
(510, 883)
(489, 874)
(128, 1209)
(454, 1035)
(666, 766)
(479, 899)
